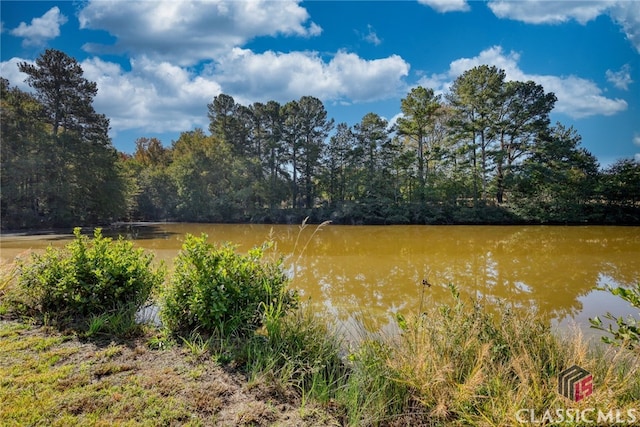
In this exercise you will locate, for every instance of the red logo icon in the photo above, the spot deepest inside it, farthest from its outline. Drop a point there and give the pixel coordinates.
(575, 383)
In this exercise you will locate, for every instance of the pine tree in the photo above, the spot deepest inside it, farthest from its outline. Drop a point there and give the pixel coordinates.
(84, 185)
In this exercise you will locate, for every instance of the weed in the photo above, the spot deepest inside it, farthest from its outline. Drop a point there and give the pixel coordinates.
(160, 340)
(11, 296)
(197, 346)
(96, 324)
(297, 350)
(120, 323)
(302, 227)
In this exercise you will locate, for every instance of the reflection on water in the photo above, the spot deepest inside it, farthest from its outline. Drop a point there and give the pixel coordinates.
(376, 270)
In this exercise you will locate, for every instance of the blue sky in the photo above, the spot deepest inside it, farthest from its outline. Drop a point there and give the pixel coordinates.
(158, 63)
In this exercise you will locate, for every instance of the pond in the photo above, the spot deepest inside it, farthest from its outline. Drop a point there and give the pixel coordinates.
(372, 272)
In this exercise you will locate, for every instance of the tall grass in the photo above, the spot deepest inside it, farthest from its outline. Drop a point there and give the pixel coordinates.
(11, 296)
(297, 349)
(465, 364)
(457, 363)
(8, 273)
(302, 227)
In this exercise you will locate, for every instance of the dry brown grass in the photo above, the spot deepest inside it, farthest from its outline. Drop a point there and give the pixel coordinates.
(466, 367)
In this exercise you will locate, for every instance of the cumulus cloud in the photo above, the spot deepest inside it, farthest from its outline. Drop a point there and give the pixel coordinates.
(154, 96)
(9, 70)
(158, 96)
(41, 29)
(186, 32)
(286, 76)
(625, 13)
(444, 6)
(577, 97)
(546, 12)
(620, 79)
(636, 139)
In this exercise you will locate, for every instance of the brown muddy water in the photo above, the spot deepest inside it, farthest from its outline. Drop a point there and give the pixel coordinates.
(372, 272)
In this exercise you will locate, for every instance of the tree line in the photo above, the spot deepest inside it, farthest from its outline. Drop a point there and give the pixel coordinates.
(485, 152)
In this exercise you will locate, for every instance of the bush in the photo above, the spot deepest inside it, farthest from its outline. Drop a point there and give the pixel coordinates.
(89, 277)
(214, 290)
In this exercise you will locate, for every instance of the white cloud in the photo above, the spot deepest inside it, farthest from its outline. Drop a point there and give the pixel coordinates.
(577, 97)
(41, 29)
(444, 6)
(153, 96)
(9, 70)
(286, 76)
(393, 120)
(157, 96)
(620, 79)
(625, 13)
(636, 139)
(371, 36)
(186, 32)
(549, 12)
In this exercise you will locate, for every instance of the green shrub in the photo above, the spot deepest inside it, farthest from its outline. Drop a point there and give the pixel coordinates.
(89, 277)
(216, 291)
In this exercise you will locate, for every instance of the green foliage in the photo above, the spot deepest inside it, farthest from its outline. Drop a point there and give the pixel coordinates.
(89, 278)
(58, 165)
(626, 331)
(420, 109)
(216, 291)
(121, 323)
(487, 143)
(621, 182)
(297, 349)
(371, 394)
(208, 180)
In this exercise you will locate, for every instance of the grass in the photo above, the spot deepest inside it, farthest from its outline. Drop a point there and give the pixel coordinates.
(50, 378)
(9, 294)
(121, 323)
(457, 363)
(463, 364)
